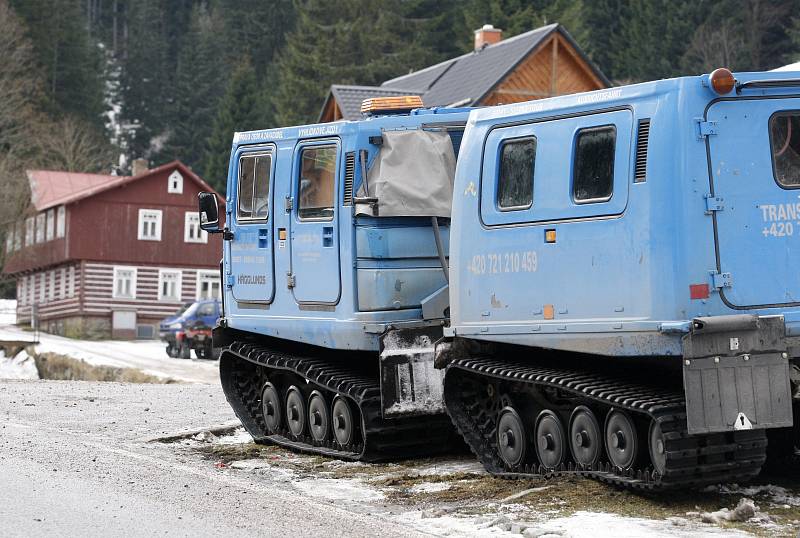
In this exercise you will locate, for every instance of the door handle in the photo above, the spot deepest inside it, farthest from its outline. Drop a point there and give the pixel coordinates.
(263, 238)
(327, 236)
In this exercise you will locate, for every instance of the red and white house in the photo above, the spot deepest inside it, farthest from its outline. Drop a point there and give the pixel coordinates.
(110, 256)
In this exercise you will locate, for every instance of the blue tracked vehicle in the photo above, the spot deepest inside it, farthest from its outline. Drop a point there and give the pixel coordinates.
(621, 299)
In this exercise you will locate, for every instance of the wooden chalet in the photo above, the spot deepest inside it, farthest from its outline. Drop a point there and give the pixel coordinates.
(110, 256)
(541, 63)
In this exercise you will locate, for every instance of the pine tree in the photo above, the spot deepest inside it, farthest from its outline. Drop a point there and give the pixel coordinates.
(71, 62)
(239, 110)
(197, 91)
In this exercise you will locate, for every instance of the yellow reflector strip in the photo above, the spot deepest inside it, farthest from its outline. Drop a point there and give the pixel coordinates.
(402, 102)
(548, 311)
(550, 236)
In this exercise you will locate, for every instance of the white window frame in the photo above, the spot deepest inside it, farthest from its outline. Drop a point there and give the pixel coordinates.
(71, 287)
(52, 288)
(42, 287)
(41, 222)
(154, 217)
(117, 278)
(31, 289)
(192, 233)
(62, 289)
(162, 273)
(175, 183)
(61, 221)
(22, 291)
(51, 225)
(207, 275)
(29, 231)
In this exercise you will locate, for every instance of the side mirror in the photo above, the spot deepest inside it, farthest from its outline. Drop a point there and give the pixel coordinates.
(209, 212)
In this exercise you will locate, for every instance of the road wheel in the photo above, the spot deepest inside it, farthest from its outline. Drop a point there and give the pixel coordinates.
(585, 438)
(551, 443)
(344, 427)
(185, 351)
(172, 351)
(295, 411)
(319, 421)
(658, 454)
(271, 407)
(512, 442)
(621, 441)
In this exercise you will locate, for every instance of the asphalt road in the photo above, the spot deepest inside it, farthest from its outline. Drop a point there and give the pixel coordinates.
(75, 461)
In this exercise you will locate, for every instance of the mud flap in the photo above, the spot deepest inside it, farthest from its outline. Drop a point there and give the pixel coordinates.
(736, 374)
(410, 384)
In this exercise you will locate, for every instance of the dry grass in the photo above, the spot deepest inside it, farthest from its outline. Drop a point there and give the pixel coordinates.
(60, 367)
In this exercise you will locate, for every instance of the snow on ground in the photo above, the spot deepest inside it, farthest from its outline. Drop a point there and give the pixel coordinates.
(21, 366)
(149, 356)
(776, 495)
(8, 312)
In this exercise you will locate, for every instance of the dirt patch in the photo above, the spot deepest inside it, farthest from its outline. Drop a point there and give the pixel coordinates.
(61, 367)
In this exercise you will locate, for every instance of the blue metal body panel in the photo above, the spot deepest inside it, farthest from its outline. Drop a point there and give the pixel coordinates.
(617, 279)
(339, 282)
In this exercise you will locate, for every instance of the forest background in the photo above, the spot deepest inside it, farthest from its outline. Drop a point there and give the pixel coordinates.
(90, 85)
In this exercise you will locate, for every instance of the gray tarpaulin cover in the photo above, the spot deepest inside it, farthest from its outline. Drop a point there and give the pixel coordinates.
(413, 174)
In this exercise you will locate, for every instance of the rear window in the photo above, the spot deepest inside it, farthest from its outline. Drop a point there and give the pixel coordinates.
(593, 173)
(784, 134)
(515, 182)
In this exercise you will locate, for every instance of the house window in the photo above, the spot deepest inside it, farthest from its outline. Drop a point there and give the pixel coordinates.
(21, 291)
(124, 283)
(52, 294)
(42, 287)
(28, 231)
(191, 229)
(208, 285)
(175, 183)
(31, 288)
(40, 224)
(150, 224)
(593, 179)
(61, 221)
(51, 224)
(71, 287)
(169, 285)
(62, 292)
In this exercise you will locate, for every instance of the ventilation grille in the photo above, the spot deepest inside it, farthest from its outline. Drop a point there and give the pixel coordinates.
(349, 176)
(640, 172)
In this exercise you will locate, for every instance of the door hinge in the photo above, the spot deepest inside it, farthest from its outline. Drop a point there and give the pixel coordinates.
(231, 280)
(714, 203)
(705, 128)
(227, 235)
(290, 280)
(289, 202)
(721, 280)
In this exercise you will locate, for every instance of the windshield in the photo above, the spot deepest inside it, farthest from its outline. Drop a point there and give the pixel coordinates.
(182, 309)
(190, 311)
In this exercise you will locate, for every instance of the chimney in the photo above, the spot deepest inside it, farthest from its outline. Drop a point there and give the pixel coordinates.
(138, 167)
(487, 35)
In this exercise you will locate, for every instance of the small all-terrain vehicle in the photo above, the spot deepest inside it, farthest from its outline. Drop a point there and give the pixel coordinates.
(198, 317)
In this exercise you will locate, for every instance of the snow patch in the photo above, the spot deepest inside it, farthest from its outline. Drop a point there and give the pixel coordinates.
(8, 312)
(775, 494)
(22, 366)
(338, 489)
(429, 487)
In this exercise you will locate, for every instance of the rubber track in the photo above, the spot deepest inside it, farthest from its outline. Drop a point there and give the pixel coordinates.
(691, 460)
(244, 368)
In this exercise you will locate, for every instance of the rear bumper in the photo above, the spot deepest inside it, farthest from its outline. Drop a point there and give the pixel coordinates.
(736, 374)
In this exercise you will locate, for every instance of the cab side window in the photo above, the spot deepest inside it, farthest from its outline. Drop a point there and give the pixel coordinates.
(253, 193)
(593, 168)
(317, 180)
(515, 180)
(784, 134)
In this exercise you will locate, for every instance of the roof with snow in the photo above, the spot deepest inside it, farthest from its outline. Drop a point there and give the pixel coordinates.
(460, 81)
(50, 188)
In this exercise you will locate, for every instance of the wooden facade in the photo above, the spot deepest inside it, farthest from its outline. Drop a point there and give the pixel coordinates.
(115, 261)
(553, 68)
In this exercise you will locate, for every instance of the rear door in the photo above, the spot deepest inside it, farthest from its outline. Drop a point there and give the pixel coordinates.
(315, 276)
(754, 162)
(251, 255)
